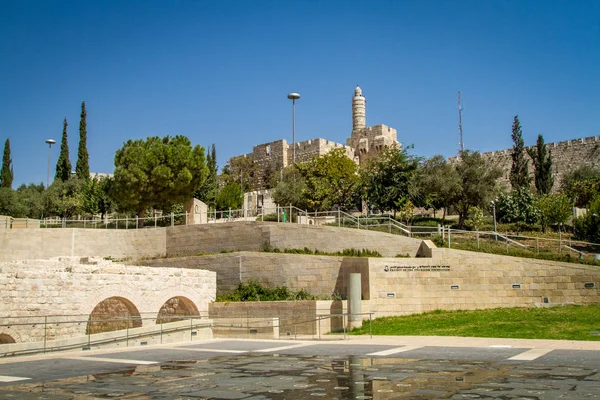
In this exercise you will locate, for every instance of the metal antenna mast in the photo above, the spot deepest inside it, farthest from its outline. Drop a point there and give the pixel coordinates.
(462, 144)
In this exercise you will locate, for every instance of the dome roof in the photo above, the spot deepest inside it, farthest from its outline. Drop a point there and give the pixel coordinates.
(358, 91)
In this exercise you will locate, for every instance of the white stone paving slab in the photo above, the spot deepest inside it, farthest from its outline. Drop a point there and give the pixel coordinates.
(394, 350)
(4, 378)
(111, 360)
(530, 354)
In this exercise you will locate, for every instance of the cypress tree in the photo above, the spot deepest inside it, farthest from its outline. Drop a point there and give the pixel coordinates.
(542, 162)
(63, 165)
(6, 174)
(519, 172)
(82, 169)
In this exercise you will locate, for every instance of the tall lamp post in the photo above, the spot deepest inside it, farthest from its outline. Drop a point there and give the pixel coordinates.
(50, 143)
(293, 97)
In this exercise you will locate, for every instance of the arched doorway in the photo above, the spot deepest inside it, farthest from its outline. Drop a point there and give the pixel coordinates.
(176, 306)
(113, 314)
(6, 339)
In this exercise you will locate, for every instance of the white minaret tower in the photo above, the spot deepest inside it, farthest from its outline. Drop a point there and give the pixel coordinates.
(359, 110)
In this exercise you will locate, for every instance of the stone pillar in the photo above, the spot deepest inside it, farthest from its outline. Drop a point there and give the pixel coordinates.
(354, 301)
(197, 212)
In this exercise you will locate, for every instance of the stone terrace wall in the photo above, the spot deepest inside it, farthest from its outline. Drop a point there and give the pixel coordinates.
(23, 244)
(483, 280)
(64, 286)
(318, 275)
(566, 156)
(252, 236)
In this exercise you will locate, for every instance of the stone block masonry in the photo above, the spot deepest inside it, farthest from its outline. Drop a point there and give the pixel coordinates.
(463, 280)
(318, 275)
(252, 236)
(17, 244)
(566, 156)
(69, 289)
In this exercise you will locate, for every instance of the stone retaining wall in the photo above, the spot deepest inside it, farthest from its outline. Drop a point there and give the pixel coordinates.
(68, 289)
(31, 244)
(463, 280)
(253, 236)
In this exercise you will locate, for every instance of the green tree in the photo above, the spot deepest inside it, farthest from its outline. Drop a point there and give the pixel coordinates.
(517, 206)
(587, 227)
(555, 209)
(157, 172)
(210, 188)
(291, 189)
(9, 204)
(63, 165)
(230, 196)
(64, 199)
(82, 168)
(581, 185)
(519, 172)
(542, 162)
(386, 180)
(242, 170)
(477, 183)
(7, 173)
(30, 197)
(331, 179)
(105, 200)
(436, 184)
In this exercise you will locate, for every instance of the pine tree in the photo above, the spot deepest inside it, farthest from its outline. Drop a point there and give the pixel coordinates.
(63, 165)
(209, 189)
(519, 172)
(6, 174)
(82, 169)
(542, 161)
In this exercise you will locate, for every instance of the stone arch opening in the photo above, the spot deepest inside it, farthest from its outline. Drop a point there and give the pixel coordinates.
(113, 314)
(174, 307)
(6, 339)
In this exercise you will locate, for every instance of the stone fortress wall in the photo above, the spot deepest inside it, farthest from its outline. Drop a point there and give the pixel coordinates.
(365, 142)
(566, 156)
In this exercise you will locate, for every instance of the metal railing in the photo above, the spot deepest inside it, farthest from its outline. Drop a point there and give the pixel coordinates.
(52, 333)
(566, 249)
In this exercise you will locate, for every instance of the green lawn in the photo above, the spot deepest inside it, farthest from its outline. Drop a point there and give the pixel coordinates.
(569, 322)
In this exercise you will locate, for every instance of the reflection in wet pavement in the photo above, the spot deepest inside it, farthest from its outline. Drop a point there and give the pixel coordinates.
(295, 377)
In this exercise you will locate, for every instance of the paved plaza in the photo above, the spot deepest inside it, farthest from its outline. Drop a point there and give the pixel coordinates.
(360, 368)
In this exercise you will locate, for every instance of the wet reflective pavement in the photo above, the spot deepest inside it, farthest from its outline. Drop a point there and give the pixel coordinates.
(419, 374)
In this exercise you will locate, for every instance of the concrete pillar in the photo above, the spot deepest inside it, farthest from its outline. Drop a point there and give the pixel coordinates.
(354, 301)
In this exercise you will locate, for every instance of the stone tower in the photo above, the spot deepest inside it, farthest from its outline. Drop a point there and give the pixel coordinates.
(359, 110)
(368, 141)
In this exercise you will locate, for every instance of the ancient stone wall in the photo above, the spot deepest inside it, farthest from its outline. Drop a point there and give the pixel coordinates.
(566, 156)
(370, 141)
(69, 289)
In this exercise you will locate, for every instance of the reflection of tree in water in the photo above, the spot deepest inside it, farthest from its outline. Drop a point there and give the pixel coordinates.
(113, 314)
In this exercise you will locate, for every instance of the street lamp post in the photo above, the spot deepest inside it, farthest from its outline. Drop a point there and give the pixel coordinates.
(50, 143)
(293, 97)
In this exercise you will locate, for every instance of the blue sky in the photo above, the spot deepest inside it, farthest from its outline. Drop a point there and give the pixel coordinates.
(219, 72)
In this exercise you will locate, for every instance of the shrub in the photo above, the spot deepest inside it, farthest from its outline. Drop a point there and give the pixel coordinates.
(254, 291)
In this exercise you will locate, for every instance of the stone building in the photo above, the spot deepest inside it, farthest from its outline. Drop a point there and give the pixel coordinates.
(270, 158)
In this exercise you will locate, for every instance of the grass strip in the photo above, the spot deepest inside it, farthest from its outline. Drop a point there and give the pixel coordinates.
(562, 323)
